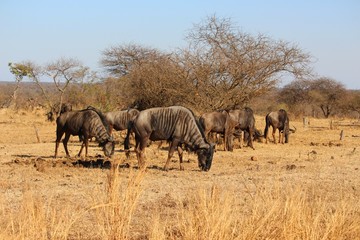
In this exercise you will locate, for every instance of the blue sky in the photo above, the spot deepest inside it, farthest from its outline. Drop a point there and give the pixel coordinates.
(45, 30)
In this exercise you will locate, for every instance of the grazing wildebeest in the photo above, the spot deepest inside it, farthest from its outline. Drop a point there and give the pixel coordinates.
(119, 120)
(86, 124)
(175, 124)
(278, 120)
(245, 121)
(218, 122)
(54, 111)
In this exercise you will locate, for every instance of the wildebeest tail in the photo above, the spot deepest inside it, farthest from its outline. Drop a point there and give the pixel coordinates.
(127, 138)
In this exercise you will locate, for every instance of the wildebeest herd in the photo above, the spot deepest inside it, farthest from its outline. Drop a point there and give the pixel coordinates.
(176, 124)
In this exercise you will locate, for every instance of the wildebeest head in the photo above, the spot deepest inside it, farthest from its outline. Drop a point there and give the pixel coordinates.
(108, 147)
(205, 156)
(54, 110)
(287, 133)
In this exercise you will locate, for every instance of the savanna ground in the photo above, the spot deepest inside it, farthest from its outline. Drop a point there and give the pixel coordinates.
(306, 189)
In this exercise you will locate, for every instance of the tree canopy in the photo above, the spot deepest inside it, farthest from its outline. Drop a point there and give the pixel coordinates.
(221, 67)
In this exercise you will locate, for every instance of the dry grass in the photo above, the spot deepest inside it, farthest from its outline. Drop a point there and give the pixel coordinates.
(36, 218)
(108, 214)
(290, 212)
(308, 189)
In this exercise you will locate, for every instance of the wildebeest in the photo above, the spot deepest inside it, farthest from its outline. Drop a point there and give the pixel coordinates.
(245, 121)
(54, 111)
(231, 123)
(217, 122)
(86, 124)
(278, 120)
(119, 120)
(175, 124)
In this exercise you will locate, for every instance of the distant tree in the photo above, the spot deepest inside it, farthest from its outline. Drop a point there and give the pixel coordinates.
(327, 94)
(295, 92)
(27, 69)
(352, 102)
(296, 96)
(63, 72)
(323, 93)
(19, 72)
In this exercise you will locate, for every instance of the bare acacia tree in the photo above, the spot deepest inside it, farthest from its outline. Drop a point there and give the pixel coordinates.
(63, 72)
(229, 67)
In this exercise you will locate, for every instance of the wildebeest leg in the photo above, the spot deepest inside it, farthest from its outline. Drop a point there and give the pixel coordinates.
(180, 152)
(266, 137)
(250, 140)
(59, 135)
(81, 148)
(225, 141)
(140, 151)
(86, 147)
(281, 136)
(273, 134)
(137, 148)
(241, 138)
(65, 141)
(86, 144)
(172, 148)
(160, 144)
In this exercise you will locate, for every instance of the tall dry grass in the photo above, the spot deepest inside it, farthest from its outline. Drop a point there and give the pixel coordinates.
(297, 212)
(115, 212)
(276, 213)
(35, 218)
(107, 215)
(261, 212)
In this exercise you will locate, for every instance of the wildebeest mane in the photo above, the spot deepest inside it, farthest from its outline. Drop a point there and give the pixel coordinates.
(197, 121)
(101, 115)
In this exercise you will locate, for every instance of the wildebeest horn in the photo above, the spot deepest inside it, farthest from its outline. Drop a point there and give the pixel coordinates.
(293, 130)
(205, 146)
